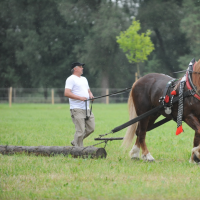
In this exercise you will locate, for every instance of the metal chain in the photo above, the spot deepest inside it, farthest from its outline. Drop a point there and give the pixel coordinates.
(100, 136)
(106, 141)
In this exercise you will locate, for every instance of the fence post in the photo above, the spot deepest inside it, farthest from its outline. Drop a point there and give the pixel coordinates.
(14, 94)
(136, 76)
(52, 96)
(107, 98)
(10, 97)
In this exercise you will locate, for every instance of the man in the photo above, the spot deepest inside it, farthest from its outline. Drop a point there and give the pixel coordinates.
(77, 90)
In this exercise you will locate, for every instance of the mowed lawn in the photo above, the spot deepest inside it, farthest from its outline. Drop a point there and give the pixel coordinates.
(116, 177)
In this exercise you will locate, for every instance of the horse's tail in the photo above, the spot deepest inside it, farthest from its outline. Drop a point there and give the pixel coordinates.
(130, 133)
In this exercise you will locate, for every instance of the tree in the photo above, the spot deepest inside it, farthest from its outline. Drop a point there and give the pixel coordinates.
(190, 25)
(163, 19)
(137, 47)
(102, 21)
(35, 45)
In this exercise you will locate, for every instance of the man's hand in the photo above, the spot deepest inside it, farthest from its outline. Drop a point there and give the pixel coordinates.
(91, 95)
(82, 98)
(68, 93)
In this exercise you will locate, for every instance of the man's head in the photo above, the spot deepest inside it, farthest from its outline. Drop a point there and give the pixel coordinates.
(77, 68)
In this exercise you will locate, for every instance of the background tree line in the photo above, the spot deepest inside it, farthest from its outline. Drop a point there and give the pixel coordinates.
(39, 39)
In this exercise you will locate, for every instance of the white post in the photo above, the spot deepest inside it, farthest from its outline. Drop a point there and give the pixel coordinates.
(14, 94)
(136, 76)
(52, 96)
(10, 97)
(107, 98)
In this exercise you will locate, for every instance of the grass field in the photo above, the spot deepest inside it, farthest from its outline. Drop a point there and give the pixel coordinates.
(116, 177)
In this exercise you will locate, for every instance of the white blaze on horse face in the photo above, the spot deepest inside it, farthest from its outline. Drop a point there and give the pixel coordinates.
(148, 157)
(135, 152)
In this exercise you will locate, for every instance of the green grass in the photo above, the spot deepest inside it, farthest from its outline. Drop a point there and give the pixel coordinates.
(116, 177)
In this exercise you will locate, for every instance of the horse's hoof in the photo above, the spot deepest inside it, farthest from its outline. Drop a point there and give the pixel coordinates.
(196, 159)
(135, 158)
(148, 158)
(135, 152)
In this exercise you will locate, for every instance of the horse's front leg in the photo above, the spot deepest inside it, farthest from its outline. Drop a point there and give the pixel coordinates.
(194, 123)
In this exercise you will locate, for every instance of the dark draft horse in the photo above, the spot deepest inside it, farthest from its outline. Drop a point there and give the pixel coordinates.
(144, 96)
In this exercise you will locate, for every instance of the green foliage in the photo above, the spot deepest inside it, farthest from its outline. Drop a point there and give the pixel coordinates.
(190, 25)
(34, 44)
(137, 47)
(163, 19)
(105, 62)
(40, 39)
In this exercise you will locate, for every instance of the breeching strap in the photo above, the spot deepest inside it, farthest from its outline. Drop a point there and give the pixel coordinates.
(161, 122)
(148, 113)
(157, 124)
(132, 121)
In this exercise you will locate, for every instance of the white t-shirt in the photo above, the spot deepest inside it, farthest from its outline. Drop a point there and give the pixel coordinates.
(79, 86)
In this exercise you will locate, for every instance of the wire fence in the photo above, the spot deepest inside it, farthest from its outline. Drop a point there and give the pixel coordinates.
(56, 95)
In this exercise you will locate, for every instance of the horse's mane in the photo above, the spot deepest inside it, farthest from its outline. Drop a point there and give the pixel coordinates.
(196, 76)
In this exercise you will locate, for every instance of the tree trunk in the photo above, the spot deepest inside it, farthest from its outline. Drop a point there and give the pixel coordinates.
(138, 71)
(164, 55)
(45, 93)
(76, 152)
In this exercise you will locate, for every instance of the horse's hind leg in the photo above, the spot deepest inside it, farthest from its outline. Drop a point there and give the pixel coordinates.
(135, 151)
(143, 126)
(140, 142)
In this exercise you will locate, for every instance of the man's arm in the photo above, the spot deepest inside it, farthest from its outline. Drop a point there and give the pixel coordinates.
(90, 94)
(68, 93)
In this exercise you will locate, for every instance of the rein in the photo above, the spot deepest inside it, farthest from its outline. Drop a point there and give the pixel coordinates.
(112, 94)
(191, 72)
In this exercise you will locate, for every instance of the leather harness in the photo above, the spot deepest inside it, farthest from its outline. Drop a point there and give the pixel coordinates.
(189, 82)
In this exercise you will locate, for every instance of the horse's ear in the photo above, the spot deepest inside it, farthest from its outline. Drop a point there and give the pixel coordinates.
(193, 61)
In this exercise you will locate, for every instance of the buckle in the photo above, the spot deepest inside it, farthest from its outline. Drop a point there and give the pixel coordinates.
(192, 92)
(161, 99)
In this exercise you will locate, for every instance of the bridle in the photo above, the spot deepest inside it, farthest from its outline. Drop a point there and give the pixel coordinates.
(189, 82)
